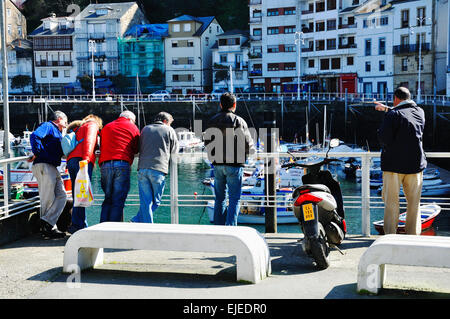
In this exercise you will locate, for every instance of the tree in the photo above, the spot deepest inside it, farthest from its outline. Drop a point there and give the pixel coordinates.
(86, 83)
(21, 82)
(221, 75)
(121, 82)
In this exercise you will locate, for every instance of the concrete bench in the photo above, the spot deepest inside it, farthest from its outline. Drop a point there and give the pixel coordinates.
(85, 247)
(407, 250)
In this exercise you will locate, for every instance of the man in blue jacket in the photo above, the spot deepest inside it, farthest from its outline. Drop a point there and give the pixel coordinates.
(47, 152)
(402, 160)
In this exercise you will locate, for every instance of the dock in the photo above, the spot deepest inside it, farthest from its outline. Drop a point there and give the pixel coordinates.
(31, 268)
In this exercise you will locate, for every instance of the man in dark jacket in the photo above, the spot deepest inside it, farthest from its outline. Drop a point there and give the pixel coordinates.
(228, 144)
(402, 160)
(46, 146)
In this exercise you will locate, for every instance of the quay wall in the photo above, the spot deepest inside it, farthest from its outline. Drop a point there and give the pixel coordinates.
(358, 125)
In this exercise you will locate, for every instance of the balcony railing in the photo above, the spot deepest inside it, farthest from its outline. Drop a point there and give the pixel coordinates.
(347, 26)
(44, 63)
(255, 19)
(347, 46)
(410, 48)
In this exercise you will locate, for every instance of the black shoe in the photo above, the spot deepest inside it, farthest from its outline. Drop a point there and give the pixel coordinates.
(47, 230)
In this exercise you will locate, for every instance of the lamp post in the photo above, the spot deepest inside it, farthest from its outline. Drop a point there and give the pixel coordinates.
(92, 49)
(299, 41)
(419, 88)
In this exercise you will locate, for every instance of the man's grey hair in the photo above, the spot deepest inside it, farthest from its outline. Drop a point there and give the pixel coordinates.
(58, 115)
(402, 93)
(128, 115)
(163, 116)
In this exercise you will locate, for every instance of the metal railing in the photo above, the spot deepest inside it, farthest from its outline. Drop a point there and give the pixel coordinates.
(354, 98)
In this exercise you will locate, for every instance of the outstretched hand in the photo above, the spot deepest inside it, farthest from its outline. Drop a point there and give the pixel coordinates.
(380, 107)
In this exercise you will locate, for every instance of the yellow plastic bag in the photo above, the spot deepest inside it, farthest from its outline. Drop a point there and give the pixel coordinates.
(83, 187)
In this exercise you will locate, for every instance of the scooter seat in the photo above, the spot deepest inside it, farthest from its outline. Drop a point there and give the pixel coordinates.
(311, 188)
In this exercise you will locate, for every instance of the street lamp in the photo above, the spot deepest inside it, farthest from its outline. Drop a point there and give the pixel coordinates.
(419, 87)
(92, 49)
(299, 41)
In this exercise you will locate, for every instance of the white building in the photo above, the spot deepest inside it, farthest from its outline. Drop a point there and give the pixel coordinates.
(188, 54)
(101, 25)
(231, 50)
(54, 55)
(374, 40)
(20, 64)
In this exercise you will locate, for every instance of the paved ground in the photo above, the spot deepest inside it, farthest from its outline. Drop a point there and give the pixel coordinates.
(32, 268)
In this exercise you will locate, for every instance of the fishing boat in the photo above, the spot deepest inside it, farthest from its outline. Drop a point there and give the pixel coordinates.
(428, 214)
(188, 142)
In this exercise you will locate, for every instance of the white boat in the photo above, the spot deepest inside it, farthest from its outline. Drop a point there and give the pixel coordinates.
(188, 142)
(253, 212)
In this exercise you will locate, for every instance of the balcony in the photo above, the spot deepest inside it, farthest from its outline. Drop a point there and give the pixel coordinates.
(256, 37)
(347, 46)
(257, 55)
(255, 19)
(410, 48)
(45, 63)
(347, 26)
(256, 72)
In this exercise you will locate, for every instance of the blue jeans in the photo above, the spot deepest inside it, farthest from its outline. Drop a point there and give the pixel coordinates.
(227, 177)
(78, 213)
(115, 181)
(151, 187)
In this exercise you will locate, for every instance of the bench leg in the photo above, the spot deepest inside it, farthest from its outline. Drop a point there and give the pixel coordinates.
(90, 257)
(371, 278)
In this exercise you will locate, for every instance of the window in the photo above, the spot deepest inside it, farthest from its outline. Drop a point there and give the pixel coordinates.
(310, 63)
(187, 27)
(67, 73)
(331, 44)
(9, 29)
(174, 61)
(207, 41)
(365, 23)
(174, 44)
(331, 4)
(289, 48)
(350, 60)
(190, 61)
(289, 11)
(43, 73)
(381, 65)
(368, 44)
(176, 28)
(405, 64)
(331, 24)
(257, 31)
(190, 44)
(320, 26)
(55, 74)
(335, 63)
(272, 12)
(382, 46)
(8, 12)
(421, 63)
(272, 30)
(324, 64)
(404, 40)
(175, 78)
(19, 30)
(289, 29)
(320, 45)
(223, 58)
(273, 49)
(368, 67)
(420, 16)
(405, 18)
(289, 66)
(320, 6)
(273, 67)
(384, 20)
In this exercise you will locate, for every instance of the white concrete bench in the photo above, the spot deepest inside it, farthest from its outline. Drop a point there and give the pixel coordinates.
(85, 247)
(407, 250)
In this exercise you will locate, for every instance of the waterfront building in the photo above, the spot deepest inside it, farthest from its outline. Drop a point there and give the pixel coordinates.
(97, 29)
(414, 35)
(54, 55)
(231, 50)
(141, 52)
(374, 60)
(16, 29)
(188, 54)
(20, 66)
(327, 43)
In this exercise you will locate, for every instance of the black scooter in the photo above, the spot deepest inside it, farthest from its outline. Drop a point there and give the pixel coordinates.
(319, 208)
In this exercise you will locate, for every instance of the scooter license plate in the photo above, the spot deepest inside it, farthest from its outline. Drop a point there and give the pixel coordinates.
(308, 212)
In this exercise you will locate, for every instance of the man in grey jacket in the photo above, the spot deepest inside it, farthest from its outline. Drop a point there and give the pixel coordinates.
(157, 143)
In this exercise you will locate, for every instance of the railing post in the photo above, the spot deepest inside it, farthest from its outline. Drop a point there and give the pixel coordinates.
(174, 216)
(365, 194)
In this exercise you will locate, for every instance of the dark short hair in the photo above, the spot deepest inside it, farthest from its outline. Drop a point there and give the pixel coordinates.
(163, 116)
(402, 93)
(227, 100)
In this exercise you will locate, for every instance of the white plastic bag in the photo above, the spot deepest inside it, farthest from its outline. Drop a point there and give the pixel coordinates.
(83, 188)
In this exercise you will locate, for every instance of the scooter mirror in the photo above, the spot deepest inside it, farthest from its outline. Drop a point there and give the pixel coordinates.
(334, 142)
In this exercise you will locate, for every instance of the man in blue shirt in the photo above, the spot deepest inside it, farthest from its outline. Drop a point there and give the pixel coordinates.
(47, 152)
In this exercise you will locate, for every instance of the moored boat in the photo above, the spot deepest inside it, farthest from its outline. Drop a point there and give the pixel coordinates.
(428, 214)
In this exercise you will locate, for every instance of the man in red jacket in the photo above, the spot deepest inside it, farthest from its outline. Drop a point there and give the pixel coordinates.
(119, 142)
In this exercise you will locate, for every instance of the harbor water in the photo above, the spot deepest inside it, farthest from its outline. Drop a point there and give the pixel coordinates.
(191, 176)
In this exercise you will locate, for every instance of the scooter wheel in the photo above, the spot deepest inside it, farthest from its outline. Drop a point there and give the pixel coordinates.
(319, 250)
